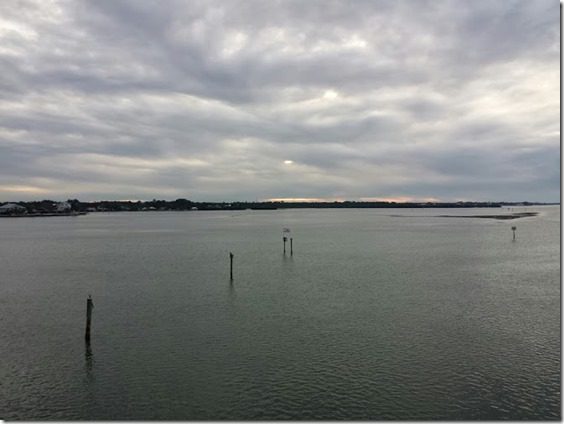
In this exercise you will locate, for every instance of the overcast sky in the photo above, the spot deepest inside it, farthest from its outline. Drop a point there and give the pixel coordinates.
(247, 100)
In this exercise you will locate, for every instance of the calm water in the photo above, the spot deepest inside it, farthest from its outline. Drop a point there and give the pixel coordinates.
(373, 317)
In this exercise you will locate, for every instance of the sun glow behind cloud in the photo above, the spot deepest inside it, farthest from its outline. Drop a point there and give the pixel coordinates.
(330, 94)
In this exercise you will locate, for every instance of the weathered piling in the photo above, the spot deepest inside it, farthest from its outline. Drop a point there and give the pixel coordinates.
(284, 238)
(231, 265)
(291, 246)
(514, 228)
(89, 307)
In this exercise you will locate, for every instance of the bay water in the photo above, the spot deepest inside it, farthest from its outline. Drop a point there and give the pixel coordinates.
(378, 314)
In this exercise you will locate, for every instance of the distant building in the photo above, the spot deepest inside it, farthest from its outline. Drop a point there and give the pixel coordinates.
(12, 209)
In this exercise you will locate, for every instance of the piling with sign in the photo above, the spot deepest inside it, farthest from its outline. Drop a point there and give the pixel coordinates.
(285, 234)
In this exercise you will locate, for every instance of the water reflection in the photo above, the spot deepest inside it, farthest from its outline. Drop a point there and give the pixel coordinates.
(287, 259)
(231, 288)
(88, 361)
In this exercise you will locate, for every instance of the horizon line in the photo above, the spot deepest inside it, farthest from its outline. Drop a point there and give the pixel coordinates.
(294, 200)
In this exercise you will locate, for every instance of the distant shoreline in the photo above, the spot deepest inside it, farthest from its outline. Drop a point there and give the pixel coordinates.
(509, 216)
(72, 207)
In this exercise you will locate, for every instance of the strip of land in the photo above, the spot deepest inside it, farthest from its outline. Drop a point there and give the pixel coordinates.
(514, 215)
(36, 215)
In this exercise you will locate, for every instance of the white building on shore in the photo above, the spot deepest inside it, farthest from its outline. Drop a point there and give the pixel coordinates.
(63, 207)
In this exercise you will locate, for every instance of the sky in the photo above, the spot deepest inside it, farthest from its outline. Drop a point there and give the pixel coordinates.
(255, 100)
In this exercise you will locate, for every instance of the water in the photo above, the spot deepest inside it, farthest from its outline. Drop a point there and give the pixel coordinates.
(373, 317)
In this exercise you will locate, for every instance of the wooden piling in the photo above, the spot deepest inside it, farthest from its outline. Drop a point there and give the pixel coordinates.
(284, 239)
(291, 246)
(89, 307)
(514, 228)
(231, 265)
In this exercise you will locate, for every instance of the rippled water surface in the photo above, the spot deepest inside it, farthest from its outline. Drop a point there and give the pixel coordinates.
(378, 314)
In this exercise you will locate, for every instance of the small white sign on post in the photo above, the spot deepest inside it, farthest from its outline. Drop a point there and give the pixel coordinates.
(285, 233)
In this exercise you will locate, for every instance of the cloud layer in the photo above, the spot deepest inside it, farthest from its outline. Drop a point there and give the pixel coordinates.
(246, 100)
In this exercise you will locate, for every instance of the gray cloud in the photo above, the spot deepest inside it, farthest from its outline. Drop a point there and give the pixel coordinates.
(208, 99)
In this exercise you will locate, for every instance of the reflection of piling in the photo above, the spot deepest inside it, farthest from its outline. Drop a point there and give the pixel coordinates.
(89, 307)
(231, 265)
(291, 246)
(284, 239)
(514, 228)
(88, 360)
